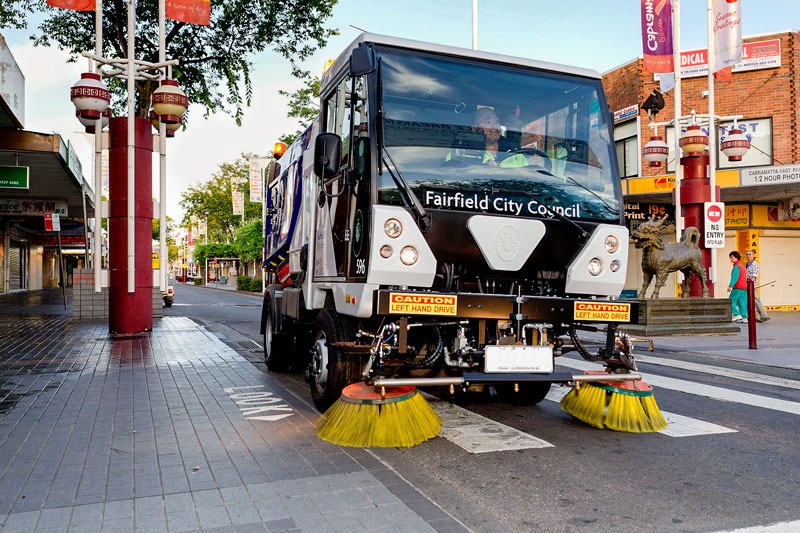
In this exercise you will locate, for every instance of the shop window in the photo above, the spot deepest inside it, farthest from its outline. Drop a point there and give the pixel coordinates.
(626, 141)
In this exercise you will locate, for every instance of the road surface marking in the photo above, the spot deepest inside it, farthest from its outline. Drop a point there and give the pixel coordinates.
(678, 425)
(700, 389)
(252, 403)
(782, 527)
(478, 434)
(720, 371)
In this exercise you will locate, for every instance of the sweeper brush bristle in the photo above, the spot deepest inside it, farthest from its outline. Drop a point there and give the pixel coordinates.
(363, 418)
(587, 404)
(618, 405)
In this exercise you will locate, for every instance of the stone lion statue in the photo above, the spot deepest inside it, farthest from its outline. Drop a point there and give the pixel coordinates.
(660, 259)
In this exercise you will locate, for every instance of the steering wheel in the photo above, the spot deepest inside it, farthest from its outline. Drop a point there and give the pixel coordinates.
(548, 162)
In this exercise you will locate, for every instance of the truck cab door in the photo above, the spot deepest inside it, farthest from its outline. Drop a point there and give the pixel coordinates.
(345, 196)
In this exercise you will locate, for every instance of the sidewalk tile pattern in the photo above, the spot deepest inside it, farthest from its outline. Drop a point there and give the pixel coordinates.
(138, 433)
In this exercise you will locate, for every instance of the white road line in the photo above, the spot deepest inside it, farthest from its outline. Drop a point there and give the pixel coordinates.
(782, 527)
(699, 389)
(478, 434)
(679, 425)
(720, 371)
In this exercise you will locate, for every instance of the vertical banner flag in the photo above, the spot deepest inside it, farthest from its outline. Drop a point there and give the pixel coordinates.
(238, 203)
(77, 5)
(257, 167)
(191, 11)
(657, 35)
(727, 27)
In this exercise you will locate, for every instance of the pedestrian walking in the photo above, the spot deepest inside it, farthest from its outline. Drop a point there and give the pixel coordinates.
(738, 288)
(751, 267)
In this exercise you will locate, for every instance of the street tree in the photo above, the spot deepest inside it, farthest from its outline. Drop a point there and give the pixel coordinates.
(212, 200)
(303, 104)
(215, 64)
(250, 242)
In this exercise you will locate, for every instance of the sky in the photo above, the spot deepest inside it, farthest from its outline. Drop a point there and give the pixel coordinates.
(596, 34)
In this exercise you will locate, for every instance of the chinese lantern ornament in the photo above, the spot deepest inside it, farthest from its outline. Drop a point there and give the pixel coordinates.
(90, 125)
(655, 151)
(693, 141)
(90, 96)
(169, 102)
(735, 145)
(171, 128)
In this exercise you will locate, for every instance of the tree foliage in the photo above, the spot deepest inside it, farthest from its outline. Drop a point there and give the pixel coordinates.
(210, 251)
(212, 201)
(170, 229)
(249, 241)
(303, 104)
(215, 66)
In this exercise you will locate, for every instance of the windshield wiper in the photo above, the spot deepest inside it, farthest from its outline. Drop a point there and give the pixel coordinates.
(422, 216)
(580, 234)
(582, 186)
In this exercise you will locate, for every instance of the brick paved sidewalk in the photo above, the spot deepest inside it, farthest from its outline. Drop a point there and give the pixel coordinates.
(173, 431)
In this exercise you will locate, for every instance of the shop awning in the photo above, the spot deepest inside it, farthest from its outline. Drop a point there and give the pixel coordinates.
(54, 174)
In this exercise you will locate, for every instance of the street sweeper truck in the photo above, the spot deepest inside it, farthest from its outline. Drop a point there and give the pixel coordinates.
(452, 218)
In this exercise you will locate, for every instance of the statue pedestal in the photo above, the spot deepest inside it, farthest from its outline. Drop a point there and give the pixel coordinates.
(683, 316)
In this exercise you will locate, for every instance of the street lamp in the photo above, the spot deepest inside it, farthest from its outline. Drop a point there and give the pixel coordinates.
(133, 320)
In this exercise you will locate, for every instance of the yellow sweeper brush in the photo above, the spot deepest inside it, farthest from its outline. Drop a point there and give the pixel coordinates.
(618, 405)
(395, 417)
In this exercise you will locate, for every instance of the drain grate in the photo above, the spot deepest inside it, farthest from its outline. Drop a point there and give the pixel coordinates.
(250, 345)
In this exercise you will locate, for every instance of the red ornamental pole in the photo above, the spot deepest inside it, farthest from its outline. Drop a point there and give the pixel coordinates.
(130, 312)
(751, 315)
(695, 191)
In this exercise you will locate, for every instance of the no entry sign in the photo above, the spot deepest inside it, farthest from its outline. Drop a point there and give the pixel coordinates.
(714, 224)
(52, 222)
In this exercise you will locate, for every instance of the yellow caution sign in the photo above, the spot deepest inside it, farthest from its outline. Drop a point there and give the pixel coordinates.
(603, 311)
(155, 260)
(422, 304)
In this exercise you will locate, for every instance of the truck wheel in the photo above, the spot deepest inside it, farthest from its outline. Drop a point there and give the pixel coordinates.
(330, 371)
(529, 393)
(278, 346)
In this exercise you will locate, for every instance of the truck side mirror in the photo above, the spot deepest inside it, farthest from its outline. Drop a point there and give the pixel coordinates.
(362, 61)
(327, 155)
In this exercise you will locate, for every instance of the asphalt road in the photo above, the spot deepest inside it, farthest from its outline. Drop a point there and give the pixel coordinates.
(728, 460)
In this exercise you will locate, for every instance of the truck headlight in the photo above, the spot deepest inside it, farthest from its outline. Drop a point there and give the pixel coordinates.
(393, 228)
(611, 243)
(386, 251)
(595, 266)
(615, 265)
(409, 255)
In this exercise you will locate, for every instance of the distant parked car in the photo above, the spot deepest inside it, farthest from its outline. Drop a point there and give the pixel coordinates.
(169, 296)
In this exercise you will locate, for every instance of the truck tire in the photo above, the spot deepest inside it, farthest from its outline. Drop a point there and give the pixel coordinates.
(278, 345)
(529, 393)
(330, 371)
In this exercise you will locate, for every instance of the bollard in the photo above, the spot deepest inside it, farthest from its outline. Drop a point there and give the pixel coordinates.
(751, 315)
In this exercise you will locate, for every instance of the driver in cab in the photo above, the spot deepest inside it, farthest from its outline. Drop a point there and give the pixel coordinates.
(497, 149)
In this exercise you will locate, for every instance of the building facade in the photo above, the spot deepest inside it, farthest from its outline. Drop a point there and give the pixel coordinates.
(761, 192)
(40, 176)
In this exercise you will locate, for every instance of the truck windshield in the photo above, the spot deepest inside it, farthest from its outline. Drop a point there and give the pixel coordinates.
(476, 136)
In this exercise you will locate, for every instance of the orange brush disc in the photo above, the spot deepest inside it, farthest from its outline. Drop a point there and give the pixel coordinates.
(367, 394)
